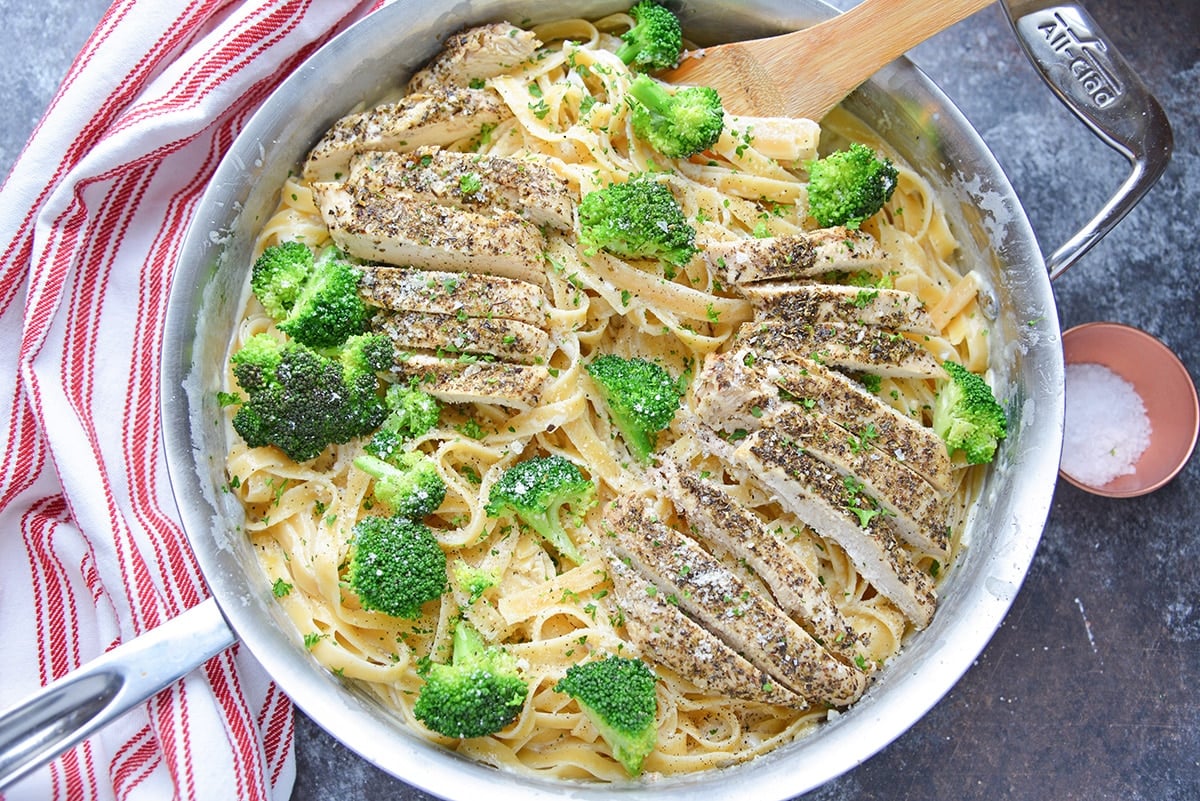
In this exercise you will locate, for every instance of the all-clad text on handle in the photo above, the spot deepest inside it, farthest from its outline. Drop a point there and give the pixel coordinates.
(1088, 74)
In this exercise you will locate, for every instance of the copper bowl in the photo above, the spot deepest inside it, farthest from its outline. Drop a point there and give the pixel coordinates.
(1166, 390)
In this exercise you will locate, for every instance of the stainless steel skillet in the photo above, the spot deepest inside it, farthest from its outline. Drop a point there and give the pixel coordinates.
(903, 106)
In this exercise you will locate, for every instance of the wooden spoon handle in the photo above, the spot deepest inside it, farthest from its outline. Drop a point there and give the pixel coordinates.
(883, 31)
(807, 72)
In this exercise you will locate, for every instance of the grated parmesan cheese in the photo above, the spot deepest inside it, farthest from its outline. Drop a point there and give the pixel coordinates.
(1106, 427)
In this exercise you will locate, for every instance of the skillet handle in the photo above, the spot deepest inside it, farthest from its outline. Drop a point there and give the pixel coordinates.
(1088, 74)
(75, 706)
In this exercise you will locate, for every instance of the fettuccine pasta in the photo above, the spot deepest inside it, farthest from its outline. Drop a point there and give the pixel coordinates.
(569, 114)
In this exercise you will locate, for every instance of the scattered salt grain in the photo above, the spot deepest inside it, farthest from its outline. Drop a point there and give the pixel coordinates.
(1106, 427)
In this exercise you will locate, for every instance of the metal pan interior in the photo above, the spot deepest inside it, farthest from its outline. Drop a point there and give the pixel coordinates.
(904, 107)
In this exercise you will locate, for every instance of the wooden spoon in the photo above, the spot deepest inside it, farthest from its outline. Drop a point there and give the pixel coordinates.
(808, 72)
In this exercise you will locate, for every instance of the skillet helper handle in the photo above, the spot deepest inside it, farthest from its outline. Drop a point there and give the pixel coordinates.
(1088, 75)
(75, 706)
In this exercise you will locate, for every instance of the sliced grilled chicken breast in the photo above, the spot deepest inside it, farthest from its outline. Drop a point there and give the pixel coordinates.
(683, 645)
(820, 496)
(474, 55)
(473, 381)
(439, 117)
(470, 181)
(716, 598)
(453, 334)
(807, 255)
(716, 517)
(919, 512)
(400, 229)
(441, 292)
(735, 389)
(801, 303)
(915, 508)
(849, 346)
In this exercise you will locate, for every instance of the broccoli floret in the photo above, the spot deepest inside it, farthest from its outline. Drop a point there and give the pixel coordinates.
(411, 413)
(967, 416)
(408, 482)
(536, 490)
(848, 186)
(678, 124)
(364, 355)
(313, 300)
(638, 219)
(301, 401)
(641, 396)
(478, 693)
(329, 309)
(396, 566)
(474, 580)
(279, 274)
(655, 41)
(617, 694)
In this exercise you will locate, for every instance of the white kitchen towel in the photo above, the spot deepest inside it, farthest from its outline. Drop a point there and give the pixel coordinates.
(91, 549)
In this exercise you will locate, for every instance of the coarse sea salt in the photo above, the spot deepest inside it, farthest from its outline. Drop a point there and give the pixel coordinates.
(1106, 429)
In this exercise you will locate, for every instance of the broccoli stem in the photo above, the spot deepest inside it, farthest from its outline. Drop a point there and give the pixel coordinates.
(651, 94)
(374, 466)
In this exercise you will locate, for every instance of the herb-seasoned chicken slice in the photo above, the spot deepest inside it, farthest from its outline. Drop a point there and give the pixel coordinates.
(716, 517)
(474, 55)
(683, 645)
(475, 381)
(836, 508)
(849, 346)
(716, 598)
(470, 181)
(752, 401)
(453, 334)
(735, 390)
(914, 508)
(828, 303)
(397, 228)
(440, 117)
(410, 289)
(807, 255)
